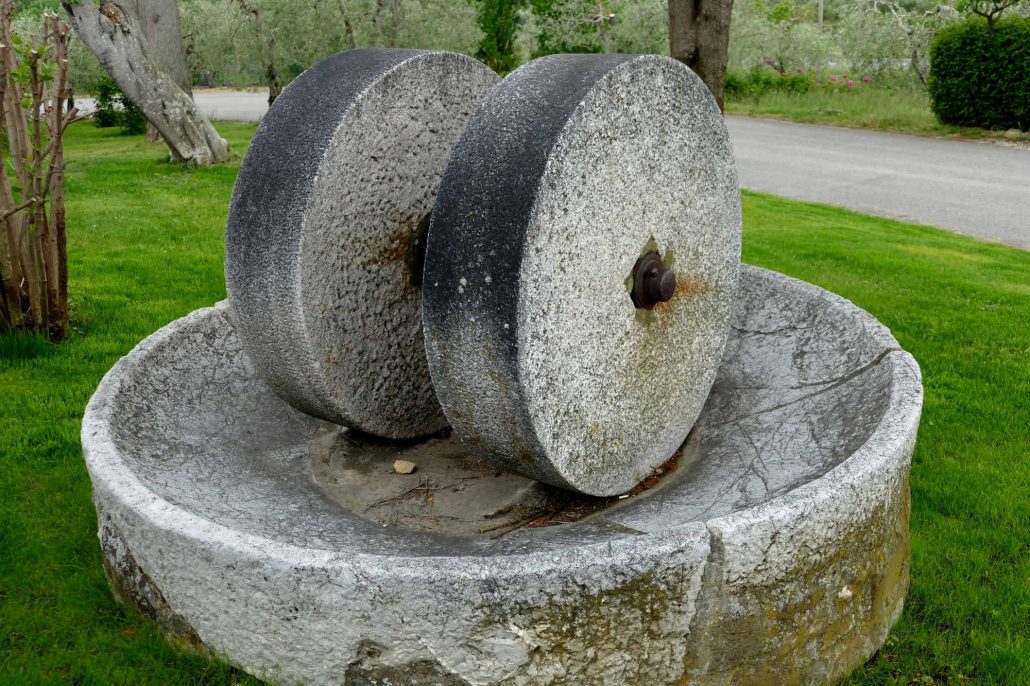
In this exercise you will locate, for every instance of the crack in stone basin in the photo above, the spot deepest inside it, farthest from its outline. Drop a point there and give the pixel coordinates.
(778, 553)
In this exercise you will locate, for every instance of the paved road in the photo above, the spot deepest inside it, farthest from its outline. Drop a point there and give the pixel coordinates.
(233, 105)
(217, 104)
(978, 189)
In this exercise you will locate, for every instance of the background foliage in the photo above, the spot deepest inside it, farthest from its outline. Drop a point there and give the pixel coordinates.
(499, 20)
(885, 40)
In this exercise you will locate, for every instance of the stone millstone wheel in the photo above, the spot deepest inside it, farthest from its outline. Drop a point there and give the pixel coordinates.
(581, 268)
(326, 233)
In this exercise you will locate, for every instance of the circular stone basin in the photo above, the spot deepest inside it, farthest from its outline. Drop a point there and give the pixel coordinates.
(775, 550)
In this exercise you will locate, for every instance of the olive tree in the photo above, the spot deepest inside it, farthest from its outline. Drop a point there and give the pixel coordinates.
(780, 35)
(147, 69)
(991, 10)
(258, 41)
(878, 34)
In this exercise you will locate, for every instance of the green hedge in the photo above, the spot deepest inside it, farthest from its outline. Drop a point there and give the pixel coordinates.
(980, 77)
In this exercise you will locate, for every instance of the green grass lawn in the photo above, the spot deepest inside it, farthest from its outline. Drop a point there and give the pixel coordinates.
(145, 247)
(901, 110)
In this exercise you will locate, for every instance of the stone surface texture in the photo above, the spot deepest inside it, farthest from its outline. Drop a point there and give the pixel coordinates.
(320, 257)
(779, 555)
(574, 168)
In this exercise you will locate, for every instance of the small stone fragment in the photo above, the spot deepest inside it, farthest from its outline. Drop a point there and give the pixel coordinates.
(403, 467)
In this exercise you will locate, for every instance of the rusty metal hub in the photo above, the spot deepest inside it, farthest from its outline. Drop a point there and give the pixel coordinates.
(652, 282)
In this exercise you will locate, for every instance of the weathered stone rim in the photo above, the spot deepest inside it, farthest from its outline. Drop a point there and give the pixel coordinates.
(894, 435)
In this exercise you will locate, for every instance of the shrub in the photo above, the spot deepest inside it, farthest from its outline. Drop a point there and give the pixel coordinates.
(499, 20)
(106, 115)
(980, 77)
(736, 84)
(114, 109)
(765, 79)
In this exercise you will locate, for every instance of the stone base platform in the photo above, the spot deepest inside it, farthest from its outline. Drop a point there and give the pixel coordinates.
(772, 550)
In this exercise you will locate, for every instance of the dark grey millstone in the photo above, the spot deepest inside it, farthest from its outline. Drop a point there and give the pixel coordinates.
(320, 257)
(575, 167)
(780, 551)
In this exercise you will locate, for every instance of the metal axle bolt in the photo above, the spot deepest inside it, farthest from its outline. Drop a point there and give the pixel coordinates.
(652, 282)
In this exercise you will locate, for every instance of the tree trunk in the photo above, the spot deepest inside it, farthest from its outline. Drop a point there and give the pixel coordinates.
(115, 36)
(159, 21)
(266, 49)
(699, 36)
(53, 185)
(348, 27)
(604, 26)
(26, 249)
(10, 263)
(33, 247)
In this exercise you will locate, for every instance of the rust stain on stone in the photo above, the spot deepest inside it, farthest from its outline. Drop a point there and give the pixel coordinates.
(687, 287)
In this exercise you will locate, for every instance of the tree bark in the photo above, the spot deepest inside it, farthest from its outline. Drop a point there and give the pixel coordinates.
(113, 32)
(162, 29)
(699, 36)
(53, 186)
(10, 263)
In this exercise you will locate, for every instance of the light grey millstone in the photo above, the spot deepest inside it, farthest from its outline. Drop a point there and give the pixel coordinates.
(778, 555)
(574, 168)
(319, 264)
